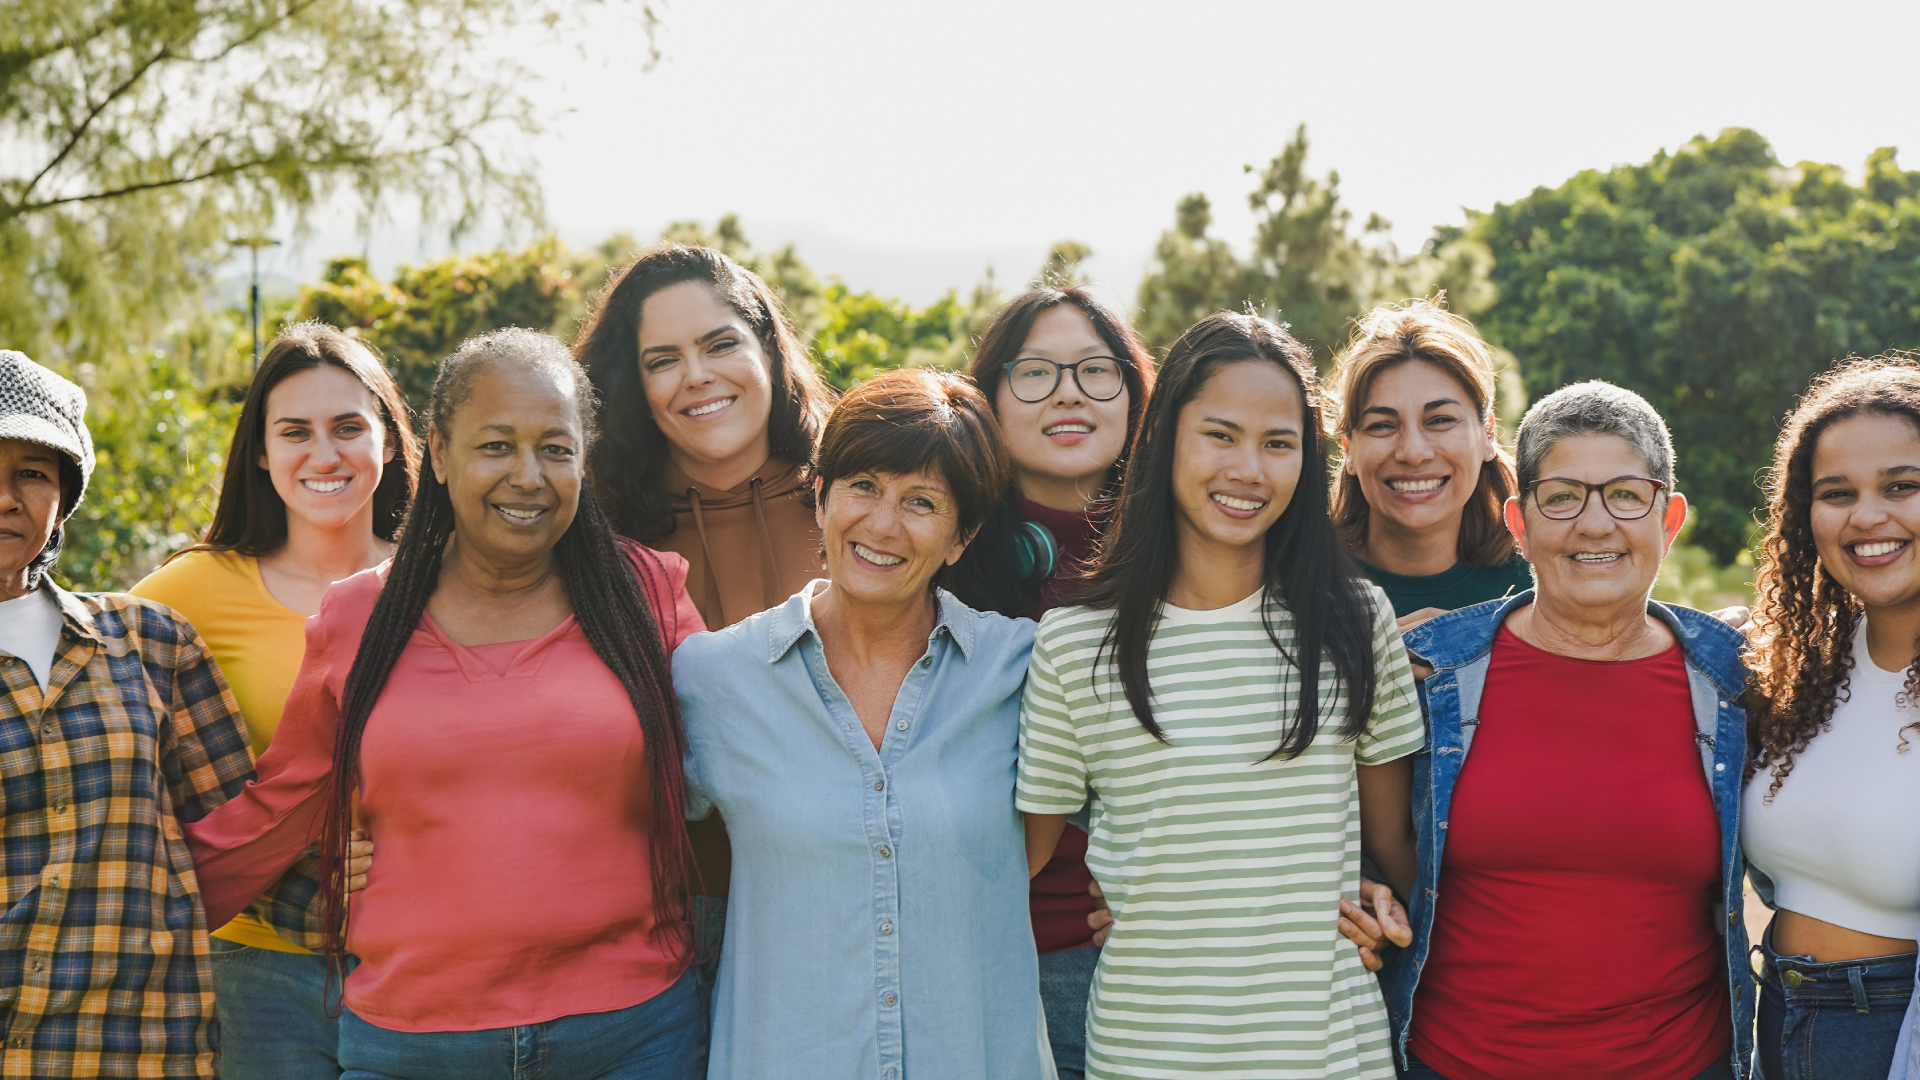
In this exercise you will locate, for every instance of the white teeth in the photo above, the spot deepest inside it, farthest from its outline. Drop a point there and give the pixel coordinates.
(1063, 429)
(324, 487)
(713, 408)
(1597, 556)
(1411, 486)
(875, 557)
(520, 515)
(1882, 547)
(1232, 503)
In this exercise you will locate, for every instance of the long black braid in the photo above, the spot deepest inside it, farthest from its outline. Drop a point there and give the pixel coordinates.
(608, 603)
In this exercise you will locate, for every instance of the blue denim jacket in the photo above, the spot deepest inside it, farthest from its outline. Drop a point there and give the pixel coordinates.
(1459, 646)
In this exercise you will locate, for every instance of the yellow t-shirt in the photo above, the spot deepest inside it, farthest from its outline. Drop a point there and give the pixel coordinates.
(258, 643)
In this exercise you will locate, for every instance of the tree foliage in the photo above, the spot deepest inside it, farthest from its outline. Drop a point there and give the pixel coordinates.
(143, 134)
(1714, 282)
(1306, 265)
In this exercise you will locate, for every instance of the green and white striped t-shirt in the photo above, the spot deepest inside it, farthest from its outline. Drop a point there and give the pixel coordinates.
(1224, 871)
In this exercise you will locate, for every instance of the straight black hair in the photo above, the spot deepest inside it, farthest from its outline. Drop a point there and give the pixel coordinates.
(985, 577)
(608, 601)
(1307, 568)
(251, 518)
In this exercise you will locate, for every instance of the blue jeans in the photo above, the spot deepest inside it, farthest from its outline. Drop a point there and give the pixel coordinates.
(1721, 1069)
(1832, 1021)
(273, 1014)
(664, 1038)
(1066, 981)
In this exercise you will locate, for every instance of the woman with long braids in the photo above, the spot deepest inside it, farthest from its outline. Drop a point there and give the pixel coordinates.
(500, 685)
(1235, 699)
(711, 410)
(320, 470)
(1068, 378)
(1829, 813)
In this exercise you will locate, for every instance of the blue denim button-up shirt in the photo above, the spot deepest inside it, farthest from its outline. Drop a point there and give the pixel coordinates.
(877, 925)
(1459, 646)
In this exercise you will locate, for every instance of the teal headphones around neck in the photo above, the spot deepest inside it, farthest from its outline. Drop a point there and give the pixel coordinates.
(1036, 552)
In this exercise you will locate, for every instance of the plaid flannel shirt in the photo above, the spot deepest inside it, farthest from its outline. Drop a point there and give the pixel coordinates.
(103, 946)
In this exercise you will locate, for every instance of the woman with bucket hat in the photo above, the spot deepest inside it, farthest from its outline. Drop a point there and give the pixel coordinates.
(115, 727)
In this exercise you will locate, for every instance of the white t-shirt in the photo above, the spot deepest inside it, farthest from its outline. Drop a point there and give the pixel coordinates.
(30, 630)
(1840, 839)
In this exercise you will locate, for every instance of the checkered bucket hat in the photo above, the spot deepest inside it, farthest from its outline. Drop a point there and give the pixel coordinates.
(40, 406)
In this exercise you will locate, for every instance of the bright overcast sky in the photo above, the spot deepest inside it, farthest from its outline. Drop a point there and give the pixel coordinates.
(905, 145)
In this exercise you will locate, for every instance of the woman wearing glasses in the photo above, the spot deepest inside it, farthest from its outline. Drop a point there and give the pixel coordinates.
(1068, 379)
(1580, 782)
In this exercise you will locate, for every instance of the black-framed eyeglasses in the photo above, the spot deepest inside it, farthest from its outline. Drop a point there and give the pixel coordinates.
(1033, 379)
(1627, 498)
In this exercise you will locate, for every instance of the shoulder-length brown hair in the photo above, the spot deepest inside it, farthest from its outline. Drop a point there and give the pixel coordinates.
(629, 461)
(251, 518)
(1424, 331)
(1802, 640)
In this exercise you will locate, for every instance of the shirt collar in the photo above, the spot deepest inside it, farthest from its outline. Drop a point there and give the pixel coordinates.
(75, 614)
(793, 620)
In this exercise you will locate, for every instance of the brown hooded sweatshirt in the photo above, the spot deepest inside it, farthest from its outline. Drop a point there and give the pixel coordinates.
(749, 548)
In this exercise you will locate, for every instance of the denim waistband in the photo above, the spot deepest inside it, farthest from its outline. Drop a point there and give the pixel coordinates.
(1864, 981)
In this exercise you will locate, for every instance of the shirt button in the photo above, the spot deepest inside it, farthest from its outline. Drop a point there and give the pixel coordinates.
(60, 806)
(902, 725)
(886, 852)
(55, 882)
(885, 928)
(926, 661)
(39, 965)
(890, 999)
(1720, 767)
(879, 785)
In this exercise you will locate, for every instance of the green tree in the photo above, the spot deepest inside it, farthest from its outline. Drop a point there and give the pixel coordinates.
(1307, 267)
(143, 135)
(1064, 265)
(426, 311)
(1714, 282)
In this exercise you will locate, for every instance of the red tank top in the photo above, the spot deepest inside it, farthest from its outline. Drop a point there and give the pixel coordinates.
(1573, 934)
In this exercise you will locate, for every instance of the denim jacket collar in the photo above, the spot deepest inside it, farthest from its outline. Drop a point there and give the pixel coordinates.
(793, 620)
(1459, 647)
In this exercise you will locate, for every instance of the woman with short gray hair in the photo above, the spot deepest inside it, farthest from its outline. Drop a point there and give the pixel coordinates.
(1606, 746)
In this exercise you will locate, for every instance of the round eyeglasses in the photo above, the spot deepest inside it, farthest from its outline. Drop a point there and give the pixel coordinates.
(1627, 498)
(1033, 379)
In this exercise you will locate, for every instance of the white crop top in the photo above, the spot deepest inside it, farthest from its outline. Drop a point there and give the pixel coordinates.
(1841, 840)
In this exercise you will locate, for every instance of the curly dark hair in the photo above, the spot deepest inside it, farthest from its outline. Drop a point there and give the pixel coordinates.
(1804, 621)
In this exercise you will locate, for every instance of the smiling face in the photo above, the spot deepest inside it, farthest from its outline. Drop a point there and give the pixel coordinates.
(1417, 449)
(1062, 446)
(1866, 510)
(325, 446)
(1237, 456)
(708, 382)
(886, 534)
(513, 461)
(29, 509)
(1595, 566)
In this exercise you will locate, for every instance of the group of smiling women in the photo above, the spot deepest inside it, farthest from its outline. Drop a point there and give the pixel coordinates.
(1097, 651)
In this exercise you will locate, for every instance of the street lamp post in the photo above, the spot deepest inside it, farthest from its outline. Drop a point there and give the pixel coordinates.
(253, 244)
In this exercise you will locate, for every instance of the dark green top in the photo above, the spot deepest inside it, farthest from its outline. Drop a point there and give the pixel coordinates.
(1458, 586)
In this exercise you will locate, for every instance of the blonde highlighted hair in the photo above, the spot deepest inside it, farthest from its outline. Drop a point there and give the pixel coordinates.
(1424, 331)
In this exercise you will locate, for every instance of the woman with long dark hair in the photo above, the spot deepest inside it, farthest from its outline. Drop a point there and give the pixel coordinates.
(1827, 820)
(505, 676)
(320, 469)
(1234, 697)
(711, 411)
(1068, 379)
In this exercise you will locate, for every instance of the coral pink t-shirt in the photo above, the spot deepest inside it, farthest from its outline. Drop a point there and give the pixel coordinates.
(506, 787)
